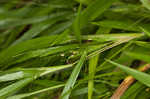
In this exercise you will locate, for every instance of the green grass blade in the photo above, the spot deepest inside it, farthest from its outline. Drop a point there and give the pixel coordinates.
(118, 24)
(92, 69)
(9, 90)
(20, 73)
(39, 72)
(59, 28)
(112, 37)
(11, 76)
(72, 79)
(48, 70)
(146, 3)
(7, 22)
(86, 2)
(13, 35)
(60, 37)
(140, 76)
(95, 9)
(118, 42)
(143, 44)
(38, 43)
(145, 30)
(76, 25)
(42, 53)
(33, 32)
(20, 96)
(114, 55)
(103, 30)
(139, 56)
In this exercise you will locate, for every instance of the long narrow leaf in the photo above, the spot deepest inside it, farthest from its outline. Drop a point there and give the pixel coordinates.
(72, 79)
(9, 90)
(140, 76)
(76, 25)
(20, 96)
(92, 69)
(95, 9)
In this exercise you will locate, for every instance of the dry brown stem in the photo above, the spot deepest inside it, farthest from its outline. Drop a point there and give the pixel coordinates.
(126, 83)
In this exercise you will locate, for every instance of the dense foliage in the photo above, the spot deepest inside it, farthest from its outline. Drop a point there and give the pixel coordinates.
(74, 49)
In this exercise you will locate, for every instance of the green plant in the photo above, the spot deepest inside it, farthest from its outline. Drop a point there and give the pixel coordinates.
(69, 49)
